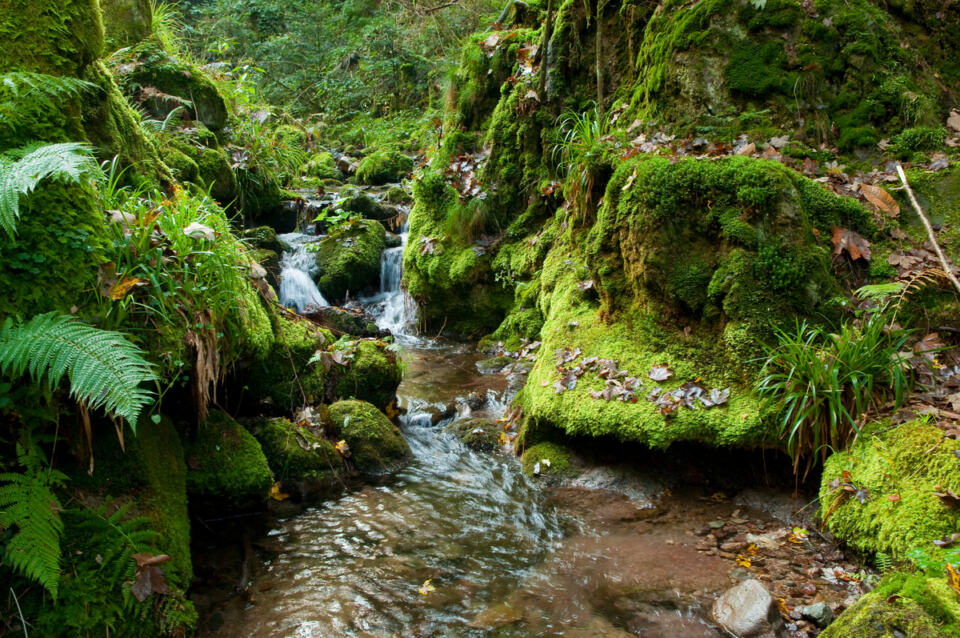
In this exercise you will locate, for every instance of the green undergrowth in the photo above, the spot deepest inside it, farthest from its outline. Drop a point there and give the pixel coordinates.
(226, 463)
(901, 467)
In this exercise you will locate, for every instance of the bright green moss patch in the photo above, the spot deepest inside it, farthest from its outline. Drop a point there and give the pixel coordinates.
(226, 462)
(349, 260)
(383, 167)
(553, 459)
(284, 377)
(373, 375)
(376, 444)
(295, 453)
(907, 461)
(911, 605)
(477, 434)
(322, 166)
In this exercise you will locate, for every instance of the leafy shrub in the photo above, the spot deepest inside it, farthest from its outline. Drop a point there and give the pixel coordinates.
(822, 384)
(580, 148)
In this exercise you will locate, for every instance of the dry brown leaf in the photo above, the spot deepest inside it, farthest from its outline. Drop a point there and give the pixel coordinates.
(954, 121)
(856, 246)
(880, 198)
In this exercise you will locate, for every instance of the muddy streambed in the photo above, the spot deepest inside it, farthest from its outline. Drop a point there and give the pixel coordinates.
(616, 552)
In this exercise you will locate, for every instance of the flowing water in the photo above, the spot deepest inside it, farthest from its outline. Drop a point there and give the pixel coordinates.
(461, 543)
(298, 265)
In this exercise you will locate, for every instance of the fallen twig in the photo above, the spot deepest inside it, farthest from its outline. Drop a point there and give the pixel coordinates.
(926, 222)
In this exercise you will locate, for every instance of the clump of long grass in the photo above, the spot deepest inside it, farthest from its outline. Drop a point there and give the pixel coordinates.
(823, 384)
(579, 153)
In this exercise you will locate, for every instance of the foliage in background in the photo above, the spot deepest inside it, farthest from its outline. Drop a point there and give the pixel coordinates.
(342, 59)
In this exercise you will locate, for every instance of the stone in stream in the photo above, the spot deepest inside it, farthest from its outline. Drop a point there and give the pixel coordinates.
(477, 434)
(494, 364)
(820, 614)
(376, 444)
(343, 321)
(747, 611)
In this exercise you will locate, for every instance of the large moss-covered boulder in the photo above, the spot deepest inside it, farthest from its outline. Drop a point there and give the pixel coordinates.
(296, 454)
(214, 172)
(376, 444)
(265, 238)
(356, 201)
(284, 378)
(384, 167)
(910, 605)
(843, 72)
(161, 82)
(226, 464)
(348, 261)
(477, 434)
(371, 374)
(901, 469)
(126, 22)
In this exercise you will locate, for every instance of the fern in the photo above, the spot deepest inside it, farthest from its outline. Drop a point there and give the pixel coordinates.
(23, 169)
(27, 501)
(173, 118)
(105, 370)
(25, 95)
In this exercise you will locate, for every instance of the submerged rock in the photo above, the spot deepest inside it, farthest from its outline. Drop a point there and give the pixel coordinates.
(376, 444)
(747, 610)
(494, 364)
(477, 434)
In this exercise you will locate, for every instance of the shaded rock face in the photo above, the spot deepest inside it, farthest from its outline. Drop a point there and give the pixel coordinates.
(126, 22)
(747, 610)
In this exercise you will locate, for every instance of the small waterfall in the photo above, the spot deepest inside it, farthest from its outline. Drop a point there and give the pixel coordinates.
(394, 310)
(297, 289)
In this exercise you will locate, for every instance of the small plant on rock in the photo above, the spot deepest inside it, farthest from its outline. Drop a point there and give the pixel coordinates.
(823, 384)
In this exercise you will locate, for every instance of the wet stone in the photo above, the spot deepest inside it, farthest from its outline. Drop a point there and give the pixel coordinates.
(819, 613)
(747, 610)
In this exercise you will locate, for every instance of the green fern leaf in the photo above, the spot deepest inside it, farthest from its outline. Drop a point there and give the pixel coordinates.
(24, 95)
(28, 503)
(23, 169)
(105, 370)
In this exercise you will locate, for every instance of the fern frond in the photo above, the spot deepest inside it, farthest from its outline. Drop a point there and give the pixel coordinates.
(28, 503)
(105, 370)
(23, 169)
(23, 95)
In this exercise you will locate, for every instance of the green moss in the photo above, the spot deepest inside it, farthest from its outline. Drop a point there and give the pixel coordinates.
(556, 454)
(756, 70)
(182, 165)
(265, 237)
(902, 605)
(289, 136)
(907, 461)
(60, 38)
(383, 167)
(61, 242)
(372, 375)
(126, 22)
(349, 260)
(477, 434)
(251, 323)
(214, 172)
(916, 139)
(284, 377)
(376, 444)
(295, 453)
(355, 201)
(226, 462)
(398, 195)
(322, 166)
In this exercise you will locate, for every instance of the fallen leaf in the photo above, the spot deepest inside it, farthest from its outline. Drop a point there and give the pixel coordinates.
(880, 198)
(198, 230)
(276, 494)
(953, 121)
(847, 240)
(149, 578)
(343, 448)
(779, 142)
(124, 286)
(426, 587)
(747, 149)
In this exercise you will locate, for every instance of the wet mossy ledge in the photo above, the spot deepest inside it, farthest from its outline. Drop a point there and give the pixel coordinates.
(348, 261)
(375, 443)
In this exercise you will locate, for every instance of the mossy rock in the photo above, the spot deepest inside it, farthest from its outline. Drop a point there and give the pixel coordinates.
(250, 322)
(344, 321)
(906, 461)
(291, 137)
(148, 65)
(265, 238)
(494, 364)
(477, 434)
(384, 167)
(215, 173)
(355, 201)
(284, 378)
(322, 166)
(183, 166)
(270, 261)
(398, 195)
(912, 605)
(376, 444)
(226, 464)
(126, 22)
(349, 260)
(296, 454)
(57, 37)
(555, 459)
(373, 375)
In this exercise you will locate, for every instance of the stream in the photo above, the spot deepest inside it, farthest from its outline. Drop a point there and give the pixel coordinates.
(462, 543)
